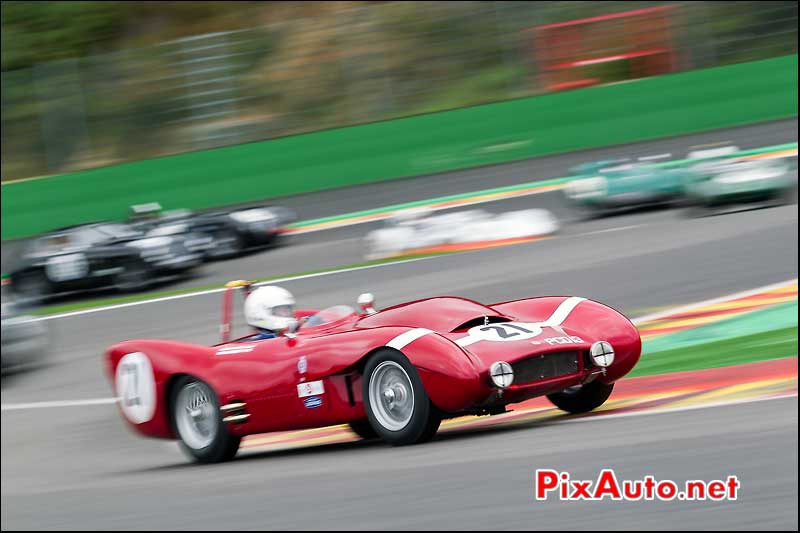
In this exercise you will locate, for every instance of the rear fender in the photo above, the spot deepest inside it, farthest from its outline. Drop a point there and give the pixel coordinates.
(142, 384)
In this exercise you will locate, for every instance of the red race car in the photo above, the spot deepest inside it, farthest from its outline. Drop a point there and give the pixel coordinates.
(393, 374)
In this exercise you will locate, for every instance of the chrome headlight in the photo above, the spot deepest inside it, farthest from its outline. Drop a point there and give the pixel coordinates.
(602, 353)
(502, 374)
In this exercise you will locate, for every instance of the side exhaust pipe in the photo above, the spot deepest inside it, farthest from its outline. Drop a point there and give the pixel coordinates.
(234, 412)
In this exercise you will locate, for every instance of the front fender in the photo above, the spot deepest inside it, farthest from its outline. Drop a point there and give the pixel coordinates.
(592, 321)
(601, 322)
(449, 375)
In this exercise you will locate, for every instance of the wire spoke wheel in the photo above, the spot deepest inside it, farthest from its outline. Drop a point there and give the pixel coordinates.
(197, 422)
(195, 416)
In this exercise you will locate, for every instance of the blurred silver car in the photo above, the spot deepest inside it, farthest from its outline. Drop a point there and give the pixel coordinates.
(719, 180)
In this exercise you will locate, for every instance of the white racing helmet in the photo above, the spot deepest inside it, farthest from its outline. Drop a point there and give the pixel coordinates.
(271, 308)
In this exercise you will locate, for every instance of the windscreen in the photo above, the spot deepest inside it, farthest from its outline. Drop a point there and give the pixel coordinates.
(328, 315)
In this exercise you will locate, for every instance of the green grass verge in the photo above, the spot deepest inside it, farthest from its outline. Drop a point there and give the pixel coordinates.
(777, 344)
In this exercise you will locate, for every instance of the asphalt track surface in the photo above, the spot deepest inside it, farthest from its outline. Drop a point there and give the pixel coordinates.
(470, 480)
(81, 468)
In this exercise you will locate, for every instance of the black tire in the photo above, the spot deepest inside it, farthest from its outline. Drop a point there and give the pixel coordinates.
(424, 417)
(787, 196)
(31, 286)
(432, 426)
(135, 276)
(587, 212)
(363, 429)
(227, 244)
(698, 210)
(223, 445)
(583, 399)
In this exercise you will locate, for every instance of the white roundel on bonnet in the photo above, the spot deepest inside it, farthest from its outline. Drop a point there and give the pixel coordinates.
(505, 331)
(136, 387)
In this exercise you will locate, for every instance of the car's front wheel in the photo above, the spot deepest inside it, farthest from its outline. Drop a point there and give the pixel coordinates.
(699, 209)
(198, 422)
(398, 408)
(786, 196)
(582, 398)
(227, 244)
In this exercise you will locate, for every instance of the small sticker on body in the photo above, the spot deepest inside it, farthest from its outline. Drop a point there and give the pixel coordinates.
(311, 388)
(564, 340)
(312, 402)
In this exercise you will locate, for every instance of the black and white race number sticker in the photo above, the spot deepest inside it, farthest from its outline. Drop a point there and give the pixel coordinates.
(67, 267)
(136, 387)
(505, 331)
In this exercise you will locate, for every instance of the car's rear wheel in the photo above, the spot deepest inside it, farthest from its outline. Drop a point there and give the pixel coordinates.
(198, 423)
(582, 398)
(134, 276)
(398, 408)
(363, 429)
(31, 286)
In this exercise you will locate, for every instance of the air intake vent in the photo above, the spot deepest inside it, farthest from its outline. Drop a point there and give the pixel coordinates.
(545, 366)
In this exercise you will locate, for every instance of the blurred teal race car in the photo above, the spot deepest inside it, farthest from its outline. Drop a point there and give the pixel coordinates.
(601, 187)
(706, 181)
(719, 182)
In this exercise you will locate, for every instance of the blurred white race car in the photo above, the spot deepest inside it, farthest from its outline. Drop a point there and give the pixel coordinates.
(412, 232)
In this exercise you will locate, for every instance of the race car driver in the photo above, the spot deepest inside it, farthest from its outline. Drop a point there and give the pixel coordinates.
(270, 310)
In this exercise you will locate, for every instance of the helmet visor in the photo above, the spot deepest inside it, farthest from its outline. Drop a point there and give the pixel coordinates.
(285, 311)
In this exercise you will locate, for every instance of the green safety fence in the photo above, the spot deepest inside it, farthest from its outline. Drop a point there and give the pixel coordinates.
(638, 110)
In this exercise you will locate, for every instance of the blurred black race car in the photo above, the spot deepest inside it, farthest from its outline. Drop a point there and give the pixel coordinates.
(103, 254)
(231, 231)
